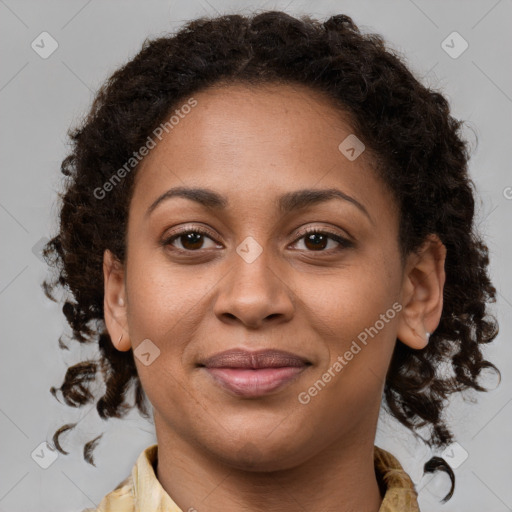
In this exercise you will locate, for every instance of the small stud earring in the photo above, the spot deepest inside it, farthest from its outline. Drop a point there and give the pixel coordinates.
(428, 335)
(121, 301)
(119, 340)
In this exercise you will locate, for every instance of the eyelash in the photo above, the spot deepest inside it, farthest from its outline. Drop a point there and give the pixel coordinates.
(345, 243)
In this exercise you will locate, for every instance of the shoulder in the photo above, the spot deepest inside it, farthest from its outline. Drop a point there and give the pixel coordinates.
(124, 497)
(121, 499)
(399, 493)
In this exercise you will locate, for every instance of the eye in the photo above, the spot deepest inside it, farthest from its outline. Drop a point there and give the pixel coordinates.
(190, 239)
(317, 240)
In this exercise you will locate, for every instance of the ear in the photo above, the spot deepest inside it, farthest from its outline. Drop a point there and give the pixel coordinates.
(422, 293)
(115, 302)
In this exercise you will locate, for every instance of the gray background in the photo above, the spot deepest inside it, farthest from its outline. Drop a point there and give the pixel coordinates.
(39, 100)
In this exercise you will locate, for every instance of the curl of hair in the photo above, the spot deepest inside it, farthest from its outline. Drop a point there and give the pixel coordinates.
(417, 150)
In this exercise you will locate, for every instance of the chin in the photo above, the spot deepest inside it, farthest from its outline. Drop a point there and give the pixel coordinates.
(261, 455)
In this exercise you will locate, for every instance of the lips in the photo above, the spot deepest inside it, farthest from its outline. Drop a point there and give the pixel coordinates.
(238, 358)
(253, 374)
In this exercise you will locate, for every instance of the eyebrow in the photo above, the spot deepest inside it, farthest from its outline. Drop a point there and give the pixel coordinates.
(288, 202)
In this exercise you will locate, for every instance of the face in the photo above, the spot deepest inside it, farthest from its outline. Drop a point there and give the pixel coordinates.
(238, 271)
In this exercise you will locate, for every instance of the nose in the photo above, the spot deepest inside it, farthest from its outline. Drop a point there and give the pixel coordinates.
(254, 294)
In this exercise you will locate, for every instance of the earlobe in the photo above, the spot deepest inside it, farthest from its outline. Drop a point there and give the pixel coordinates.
(123, 347)
(412, 338)
(114, 303)
(422, 294)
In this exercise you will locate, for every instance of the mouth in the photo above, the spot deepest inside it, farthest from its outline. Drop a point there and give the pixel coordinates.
(253, 374)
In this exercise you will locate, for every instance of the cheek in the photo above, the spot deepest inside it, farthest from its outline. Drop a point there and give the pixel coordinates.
(165, 306)
(157, 322)
(151, 307)
(356, 314)
(161, 295)
(351, 299)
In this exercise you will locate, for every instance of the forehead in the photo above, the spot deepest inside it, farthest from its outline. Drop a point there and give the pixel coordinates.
(258, 142)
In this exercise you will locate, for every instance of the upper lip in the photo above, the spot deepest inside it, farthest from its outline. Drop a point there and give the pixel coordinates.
(240, 358)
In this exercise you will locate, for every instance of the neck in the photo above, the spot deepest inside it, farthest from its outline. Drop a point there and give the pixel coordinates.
(341, 478)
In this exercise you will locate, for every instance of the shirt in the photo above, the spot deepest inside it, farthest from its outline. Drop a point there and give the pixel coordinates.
(142, 492)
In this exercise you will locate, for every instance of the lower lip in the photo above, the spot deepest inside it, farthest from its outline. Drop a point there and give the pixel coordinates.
(254, 383)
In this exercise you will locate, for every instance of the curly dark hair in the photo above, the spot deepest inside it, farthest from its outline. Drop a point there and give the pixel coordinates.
(416, 146)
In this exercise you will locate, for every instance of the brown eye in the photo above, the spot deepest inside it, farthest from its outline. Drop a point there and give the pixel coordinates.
(191, 240)
(317, 240)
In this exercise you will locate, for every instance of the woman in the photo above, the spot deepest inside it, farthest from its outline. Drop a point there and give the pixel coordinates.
(270, 222)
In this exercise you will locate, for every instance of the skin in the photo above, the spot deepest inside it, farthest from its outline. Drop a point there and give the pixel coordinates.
(218, 452)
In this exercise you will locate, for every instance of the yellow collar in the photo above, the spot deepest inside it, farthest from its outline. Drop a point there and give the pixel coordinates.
(142, 492)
